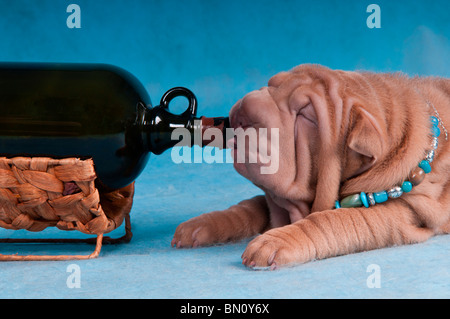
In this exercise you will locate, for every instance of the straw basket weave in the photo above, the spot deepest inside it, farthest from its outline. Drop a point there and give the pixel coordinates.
(39, 192)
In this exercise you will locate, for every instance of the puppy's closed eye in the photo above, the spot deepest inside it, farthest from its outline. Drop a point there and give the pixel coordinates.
(307, 112)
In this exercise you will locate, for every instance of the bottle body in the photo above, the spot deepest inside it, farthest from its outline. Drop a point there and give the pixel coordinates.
(96, 111)
(75, 110)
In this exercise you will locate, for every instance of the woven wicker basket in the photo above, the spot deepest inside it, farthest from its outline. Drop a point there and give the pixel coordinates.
(39, 192)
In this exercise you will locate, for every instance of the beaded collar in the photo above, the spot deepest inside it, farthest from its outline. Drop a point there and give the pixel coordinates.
(415, 177)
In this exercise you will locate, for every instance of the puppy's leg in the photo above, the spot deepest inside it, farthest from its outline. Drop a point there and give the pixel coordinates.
(336, 232)
(248, 218)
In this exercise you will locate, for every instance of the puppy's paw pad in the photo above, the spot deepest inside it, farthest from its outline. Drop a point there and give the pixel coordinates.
(265, 252)
(192, 233)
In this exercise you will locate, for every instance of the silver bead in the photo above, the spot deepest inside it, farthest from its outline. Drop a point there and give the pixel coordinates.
(434, 143)
(371, 199)
(430, 156)
(395, 192)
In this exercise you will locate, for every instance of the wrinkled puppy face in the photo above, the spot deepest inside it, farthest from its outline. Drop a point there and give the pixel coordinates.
(285, 107)
(330, 130)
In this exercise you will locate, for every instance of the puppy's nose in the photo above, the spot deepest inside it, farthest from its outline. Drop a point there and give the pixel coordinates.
(238, 119)
(235, 117)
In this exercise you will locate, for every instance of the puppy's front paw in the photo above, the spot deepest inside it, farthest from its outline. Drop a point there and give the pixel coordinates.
(273, 249)
(198, 231)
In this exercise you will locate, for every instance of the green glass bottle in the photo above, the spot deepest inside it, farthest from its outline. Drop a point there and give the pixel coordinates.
(93, 111)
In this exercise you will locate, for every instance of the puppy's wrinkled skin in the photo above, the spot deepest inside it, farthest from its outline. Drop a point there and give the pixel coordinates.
(340, 133)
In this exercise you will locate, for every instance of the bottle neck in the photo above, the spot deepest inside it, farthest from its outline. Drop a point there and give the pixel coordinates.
(163, 130)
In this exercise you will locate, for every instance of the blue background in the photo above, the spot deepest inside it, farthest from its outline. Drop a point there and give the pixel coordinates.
(221, 50)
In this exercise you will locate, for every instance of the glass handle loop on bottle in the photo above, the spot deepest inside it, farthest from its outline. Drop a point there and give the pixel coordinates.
(181, 91)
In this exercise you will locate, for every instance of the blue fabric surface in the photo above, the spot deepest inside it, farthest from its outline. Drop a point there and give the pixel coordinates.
(220, 50)
(148, 267)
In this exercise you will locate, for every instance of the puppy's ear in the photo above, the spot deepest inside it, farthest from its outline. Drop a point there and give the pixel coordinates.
(364, 147)
(364, 143)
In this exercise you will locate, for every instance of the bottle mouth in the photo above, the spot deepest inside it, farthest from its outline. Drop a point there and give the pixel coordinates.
(216, 123)
(159, 123)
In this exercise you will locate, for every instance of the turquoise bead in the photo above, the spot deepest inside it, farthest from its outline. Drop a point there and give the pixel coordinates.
(351, 201)
(407, 186)
(435, 131)
(364, 199)
(337, 205)
(425, 165)
(380, 197)
(434, 120)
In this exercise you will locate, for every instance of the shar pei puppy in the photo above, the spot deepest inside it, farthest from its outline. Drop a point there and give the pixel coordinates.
(363, 163)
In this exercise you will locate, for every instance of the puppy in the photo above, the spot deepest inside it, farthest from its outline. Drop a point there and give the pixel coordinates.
(340, 133)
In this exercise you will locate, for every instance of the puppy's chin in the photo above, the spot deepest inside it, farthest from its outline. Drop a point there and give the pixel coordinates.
(252, 172)
(241, 168)
(247, 170)
(249, 165)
